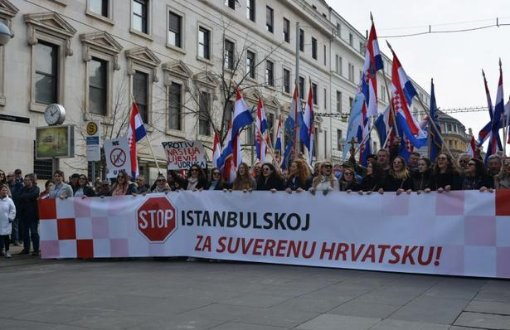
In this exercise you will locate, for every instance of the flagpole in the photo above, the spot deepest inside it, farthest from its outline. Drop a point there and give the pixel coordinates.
(149, 140)
(389, 101)
(505, 127)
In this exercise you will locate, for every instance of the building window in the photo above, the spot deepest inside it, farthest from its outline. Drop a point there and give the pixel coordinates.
(175, 30)
(314, 48)
(338, 30)
(351, 102)
(339, 136)
(229, 54)
(351, 39)
(351, 72)
(361, 48)
(302, 87)
(325, 98)
(175, 106)
(286, 30)
(250, 64)
(231, 4)
(383, 93)
(286, 81)
(338, 65)
(250, 10)
(98, 86)
(270, 73)
(141, 93)
(204, 43)
(325, 55)
(204, 125)
(315, 96)
(99, 7)
(270, 124)
(338, 101)
(46, 73)
(141, 15)
(269, 19)
(301, 40)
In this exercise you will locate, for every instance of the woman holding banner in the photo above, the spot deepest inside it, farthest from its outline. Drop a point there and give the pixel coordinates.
(325, 180)
(399, 179)
(374, 179)
(476, 177)
(444, 175)
(299, 177)
(216, 182)
(244, 181)
(502, 180)
(123, 186)
(269, 179)
(195, 180)
(422, 177)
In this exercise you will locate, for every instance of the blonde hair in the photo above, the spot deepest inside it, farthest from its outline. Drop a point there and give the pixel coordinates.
(331, 178)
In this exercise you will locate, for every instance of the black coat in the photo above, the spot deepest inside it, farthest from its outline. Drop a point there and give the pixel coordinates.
(369, 183)
(271, 183)
(27, 204)
(441, 180)
(391, 183)
(294, 184)
(183, 183)
(422, 181)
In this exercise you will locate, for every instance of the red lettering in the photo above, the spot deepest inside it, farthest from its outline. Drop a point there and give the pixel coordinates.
(408, 254)
(369, 254)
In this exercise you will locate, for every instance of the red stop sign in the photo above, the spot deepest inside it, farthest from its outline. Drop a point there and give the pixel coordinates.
(156, 219)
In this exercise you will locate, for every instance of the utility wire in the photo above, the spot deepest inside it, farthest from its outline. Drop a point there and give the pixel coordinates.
(430, 31)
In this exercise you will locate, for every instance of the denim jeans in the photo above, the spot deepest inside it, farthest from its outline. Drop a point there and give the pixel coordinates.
(29, 231)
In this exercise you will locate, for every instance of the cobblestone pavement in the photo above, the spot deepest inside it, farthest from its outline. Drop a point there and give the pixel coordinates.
(175, 294)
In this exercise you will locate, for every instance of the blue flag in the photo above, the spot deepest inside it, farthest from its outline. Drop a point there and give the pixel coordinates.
(435, 142)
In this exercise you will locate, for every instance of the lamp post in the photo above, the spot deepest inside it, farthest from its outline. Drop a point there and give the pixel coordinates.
(5, 34)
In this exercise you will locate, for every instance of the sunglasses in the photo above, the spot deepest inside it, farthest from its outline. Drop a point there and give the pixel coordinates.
(194, 170)
(471, 164)
(265, 169)
(160, 180)
(348, 173)
(327, 166)
(216, 173)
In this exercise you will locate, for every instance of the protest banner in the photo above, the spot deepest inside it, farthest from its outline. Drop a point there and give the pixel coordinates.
(117, 156)
(462, 233)
(181, 155)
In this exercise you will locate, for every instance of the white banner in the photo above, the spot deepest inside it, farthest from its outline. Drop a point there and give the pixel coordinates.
(181, 155)
(116, 153)
(457, 233)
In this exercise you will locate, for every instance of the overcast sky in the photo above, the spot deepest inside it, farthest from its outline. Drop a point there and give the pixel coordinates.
(454, 60)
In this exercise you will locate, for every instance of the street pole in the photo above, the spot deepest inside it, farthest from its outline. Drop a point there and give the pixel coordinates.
(296, 114)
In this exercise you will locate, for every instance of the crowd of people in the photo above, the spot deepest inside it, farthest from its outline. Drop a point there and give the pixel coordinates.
(385, 172)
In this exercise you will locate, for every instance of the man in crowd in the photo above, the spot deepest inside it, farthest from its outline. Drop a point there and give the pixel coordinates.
(141, 184)
(28, 215)
(18, 175)
(412, 163)
(494, 165)
(62, 189)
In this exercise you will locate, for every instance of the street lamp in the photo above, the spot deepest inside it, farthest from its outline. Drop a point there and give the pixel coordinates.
(5, 34)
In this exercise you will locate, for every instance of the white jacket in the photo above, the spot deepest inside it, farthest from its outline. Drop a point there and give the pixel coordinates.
(7, 212)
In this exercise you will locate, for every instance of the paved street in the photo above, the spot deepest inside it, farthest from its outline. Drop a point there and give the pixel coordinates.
(171, 294)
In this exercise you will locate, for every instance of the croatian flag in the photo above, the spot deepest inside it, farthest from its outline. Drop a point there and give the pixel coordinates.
(242, 118)
(403, 92)
(499, 111)
(278, 143)
(471, 149)
(216, 152)
(290, 126)
(136, 132)
(485, 132)
(261, 127)
(364, 135)
(383, 125)
(307, 127)
(373, 63)
(226, 161)
(507, 117)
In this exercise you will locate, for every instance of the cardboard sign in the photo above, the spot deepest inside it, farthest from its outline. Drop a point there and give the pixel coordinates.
(117, 156)
(184, 154)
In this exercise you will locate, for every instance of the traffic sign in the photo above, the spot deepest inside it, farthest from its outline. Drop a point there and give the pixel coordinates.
(156, 219)
(93, 140)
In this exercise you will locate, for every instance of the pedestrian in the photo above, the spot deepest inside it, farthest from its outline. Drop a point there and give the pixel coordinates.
(62, 190)
(444, 175)
(83, 189)
(502, 180)
(3, 178)
(494, 165)
(141, 184)
(28, 214)
(18, 175)
(195, 179)
(348, 181)
(7, 216)
(423, 176)
(399, 179)
(48, 186)
(161, 185)
(244, 181)
(269, 179)
(14, 190)
(299, 177)
(123, 186)
(476, 177)
(216, 182)
(73, 182)
(104, 190)
(325, 180)
(374, 178)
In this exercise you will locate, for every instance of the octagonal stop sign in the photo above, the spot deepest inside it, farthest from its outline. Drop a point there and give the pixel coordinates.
(156, 219)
